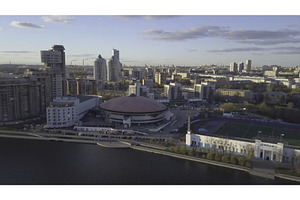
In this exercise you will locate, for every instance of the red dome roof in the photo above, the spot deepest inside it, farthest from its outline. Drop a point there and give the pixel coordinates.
(133, 104)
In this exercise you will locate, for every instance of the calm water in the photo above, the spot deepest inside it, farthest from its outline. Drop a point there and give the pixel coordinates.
(45, 162)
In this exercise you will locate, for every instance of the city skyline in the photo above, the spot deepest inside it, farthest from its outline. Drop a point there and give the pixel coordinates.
(180, 40)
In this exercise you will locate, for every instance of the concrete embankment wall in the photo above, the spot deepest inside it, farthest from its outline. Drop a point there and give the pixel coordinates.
(186, 157)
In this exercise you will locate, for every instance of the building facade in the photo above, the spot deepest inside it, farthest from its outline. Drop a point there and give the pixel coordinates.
(54, 62)
(67, 111)
(21, 98)
(100, 69)
(114, 67)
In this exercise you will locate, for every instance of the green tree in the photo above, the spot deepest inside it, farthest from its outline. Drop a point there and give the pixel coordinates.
(217, 157)
(225, 159)
(204, 156)
(241, 161)
(233, 160)
(191, 152)
(248, 164)
(290, 105)
(228, 107)
(210, 156)
(182, 150)
(176, 149)
(171, 149)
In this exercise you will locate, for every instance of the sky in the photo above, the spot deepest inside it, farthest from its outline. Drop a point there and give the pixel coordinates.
(160, 39)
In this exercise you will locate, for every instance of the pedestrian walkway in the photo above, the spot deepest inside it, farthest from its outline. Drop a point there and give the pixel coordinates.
(263, 168)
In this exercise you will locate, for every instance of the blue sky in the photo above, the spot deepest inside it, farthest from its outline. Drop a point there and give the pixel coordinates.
(154, 40)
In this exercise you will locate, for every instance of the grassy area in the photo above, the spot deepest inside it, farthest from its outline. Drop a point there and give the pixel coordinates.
(292, 142)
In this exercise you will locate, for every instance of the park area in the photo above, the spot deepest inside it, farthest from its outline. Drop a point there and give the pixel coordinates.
(249, 130)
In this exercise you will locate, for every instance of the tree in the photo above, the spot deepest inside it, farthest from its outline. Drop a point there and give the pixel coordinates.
(171, 148)
(233, 160)
(228, 107)
(225, 159)
(210, 156)
(204, 156)
(241, 161)
(182, 150)
(176, 149)
(191, 152)
(248, 164)
(217, 157)
(290, 105)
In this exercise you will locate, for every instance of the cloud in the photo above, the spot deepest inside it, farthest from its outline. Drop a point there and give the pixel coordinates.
(192, 33)
(192, 50)
(256, 37)
(25, 25)
(264, 37)
(62, 19)
(287, 50)
(237, 49)
(1, 29)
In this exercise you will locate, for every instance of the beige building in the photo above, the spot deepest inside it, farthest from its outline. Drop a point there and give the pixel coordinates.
(230, 94)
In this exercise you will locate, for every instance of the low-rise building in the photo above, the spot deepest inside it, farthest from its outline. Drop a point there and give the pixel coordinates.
(67, 111)
(240, 95)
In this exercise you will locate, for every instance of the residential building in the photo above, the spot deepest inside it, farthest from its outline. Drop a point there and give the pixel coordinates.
(114, 67)
(173, 91)
(160, 78)
(54, 62)
(248, 65)
(100, 69)
(204, 90)
(233, 67)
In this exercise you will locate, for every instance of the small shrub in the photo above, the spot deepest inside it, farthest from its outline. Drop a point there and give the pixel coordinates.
(248, 164)
(182, 150)
(176, 149)
(241, 161)
(217, 157)
(225, 159)
(191, 152)
(233, 160)
(204, 156)
(210, 156)
(171, 149)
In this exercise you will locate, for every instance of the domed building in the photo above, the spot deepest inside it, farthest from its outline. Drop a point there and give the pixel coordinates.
(133, 109)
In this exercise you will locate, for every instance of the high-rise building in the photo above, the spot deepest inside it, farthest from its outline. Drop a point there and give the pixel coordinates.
(21, 98)
(173, 91)
(233, 67)
(248, 65)
(205, 90)
(240, 67)
(54, 62)
(100, 69)
(114, 67)
(160, 78)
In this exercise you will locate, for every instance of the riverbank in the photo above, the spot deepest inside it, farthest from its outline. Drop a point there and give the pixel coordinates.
(140, 146)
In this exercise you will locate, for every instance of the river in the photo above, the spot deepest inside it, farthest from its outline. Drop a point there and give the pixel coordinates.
(34, 162)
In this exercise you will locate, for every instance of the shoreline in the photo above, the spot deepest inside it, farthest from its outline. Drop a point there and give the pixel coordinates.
(122, 144)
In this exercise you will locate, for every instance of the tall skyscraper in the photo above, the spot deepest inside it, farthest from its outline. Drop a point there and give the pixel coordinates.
(100, 69)
(233, 67)
(54, 62)
(114, 67)
(248, 65)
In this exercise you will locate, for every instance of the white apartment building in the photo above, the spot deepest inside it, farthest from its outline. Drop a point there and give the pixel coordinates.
(68, 110)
